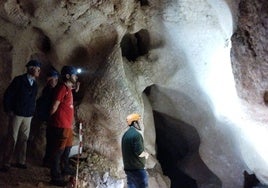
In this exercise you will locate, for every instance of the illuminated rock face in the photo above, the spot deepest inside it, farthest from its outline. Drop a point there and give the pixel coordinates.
(167, 60)
(249, 44)
(249, 62)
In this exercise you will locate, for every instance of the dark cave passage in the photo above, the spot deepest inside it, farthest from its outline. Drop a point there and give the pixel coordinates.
(135, 45)
(171, 148)
(177, 151)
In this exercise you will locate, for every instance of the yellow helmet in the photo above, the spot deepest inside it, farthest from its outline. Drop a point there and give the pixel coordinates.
(133, 117)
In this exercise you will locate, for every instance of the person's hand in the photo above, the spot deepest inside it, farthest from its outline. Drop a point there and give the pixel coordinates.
(77, 87)
(146, 155)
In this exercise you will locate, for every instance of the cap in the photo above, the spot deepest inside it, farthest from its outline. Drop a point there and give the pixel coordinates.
(68, 70)
(33, 63)
(53, 73)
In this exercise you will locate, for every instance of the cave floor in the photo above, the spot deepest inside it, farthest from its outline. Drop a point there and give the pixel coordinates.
(34, 176)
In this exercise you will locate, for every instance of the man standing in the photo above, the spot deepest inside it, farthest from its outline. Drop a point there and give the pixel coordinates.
(134, 155)
(41, 117)
(19, 104)
(60, 127)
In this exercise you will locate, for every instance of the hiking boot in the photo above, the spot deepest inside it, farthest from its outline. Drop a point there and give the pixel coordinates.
(58, 182)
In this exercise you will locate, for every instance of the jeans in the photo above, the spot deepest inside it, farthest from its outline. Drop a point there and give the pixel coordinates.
(137, 178)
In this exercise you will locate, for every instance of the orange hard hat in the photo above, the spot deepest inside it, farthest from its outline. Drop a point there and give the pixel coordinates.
(133, 117)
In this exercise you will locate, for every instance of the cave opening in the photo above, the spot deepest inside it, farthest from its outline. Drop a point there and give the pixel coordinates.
(177, 146)
(144, 2)
(178, 153)
(172, 147)
(135, 45)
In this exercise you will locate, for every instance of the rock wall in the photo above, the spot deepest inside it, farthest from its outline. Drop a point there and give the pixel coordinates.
(88, 35)
(249, 63)
(171, 57)
(249, 54)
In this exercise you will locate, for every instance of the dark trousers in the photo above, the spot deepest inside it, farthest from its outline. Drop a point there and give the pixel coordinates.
(137, 178)
(49, 146)
(62, 144)
(60, 162)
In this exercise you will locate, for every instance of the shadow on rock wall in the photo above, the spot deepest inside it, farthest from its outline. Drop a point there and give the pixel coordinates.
(177, 149)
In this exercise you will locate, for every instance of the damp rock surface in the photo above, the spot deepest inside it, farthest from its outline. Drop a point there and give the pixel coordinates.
(200, 63)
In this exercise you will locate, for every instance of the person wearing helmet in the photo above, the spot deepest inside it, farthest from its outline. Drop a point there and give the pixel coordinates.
(60, 127)
(19, 104)
(43, 103)
(134, 154)
(38, 136)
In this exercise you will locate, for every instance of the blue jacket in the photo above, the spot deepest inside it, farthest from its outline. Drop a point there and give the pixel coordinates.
(20, 96)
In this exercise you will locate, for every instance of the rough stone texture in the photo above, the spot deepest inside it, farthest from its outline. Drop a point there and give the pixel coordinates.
(171, 57)
(250, 50)
(249, 62)
(5, 71)
(85, 34)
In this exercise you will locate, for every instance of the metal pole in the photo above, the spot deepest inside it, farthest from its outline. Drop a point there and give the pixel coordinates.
(78, 154)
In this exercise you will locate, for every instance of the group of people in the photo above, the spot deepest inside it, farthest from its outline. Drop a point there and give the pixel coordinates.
(55, 112)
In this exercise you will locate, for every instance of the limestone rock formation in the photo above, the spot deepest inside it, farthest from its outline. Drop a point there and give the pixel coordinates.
(167, 60)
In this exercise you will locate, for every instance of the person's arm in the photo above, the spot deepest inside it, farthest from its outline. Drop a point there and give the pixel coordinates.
(139, 147)
(54, 107)
(59, 95)
(9, 96)
(77, 87)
